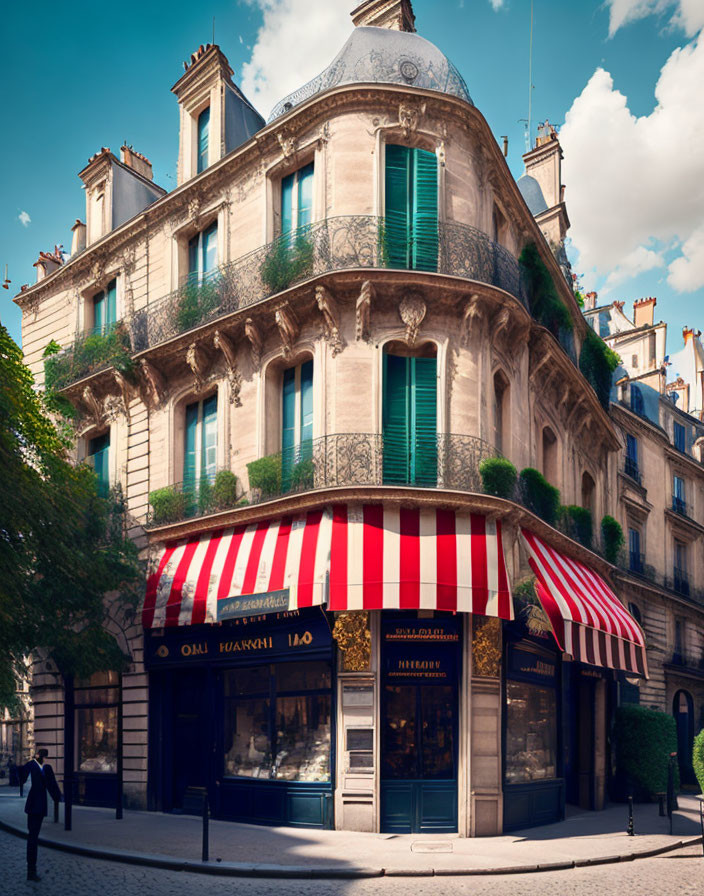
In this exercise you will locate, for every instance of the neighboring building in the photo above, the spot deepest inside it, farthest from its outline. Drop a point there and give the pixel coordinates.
(16, 730)
(321, 333)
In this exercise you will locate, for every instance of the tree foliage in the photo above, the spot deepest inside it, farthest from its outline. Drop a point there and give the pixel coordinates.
(62, 547)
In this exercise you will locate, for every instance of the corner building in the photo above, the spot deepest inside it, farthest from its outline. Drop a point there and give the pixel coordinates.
(313, 343)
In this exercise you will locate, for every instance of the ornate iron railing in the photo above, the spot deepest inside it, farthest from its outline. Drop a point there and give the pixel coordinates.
(356, 241)
(90, 353)
(344, 460)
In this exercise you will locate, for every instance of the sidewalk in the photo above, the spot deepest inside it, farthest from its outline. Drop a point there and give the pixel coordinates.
(174, 841)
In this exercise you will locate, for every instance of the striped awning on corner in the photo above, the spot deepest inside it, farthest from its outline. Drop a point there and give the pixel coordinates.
(588, 620)
(190, 576)
(384, 557)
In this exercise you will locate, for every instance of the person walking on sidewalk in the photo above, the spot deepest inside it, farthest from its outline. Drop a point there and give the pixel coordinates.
(36, 807)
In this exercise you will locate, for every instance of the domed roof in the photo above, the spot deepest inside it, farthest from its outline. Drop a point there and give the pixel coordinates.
(532, 193)
(383, 56)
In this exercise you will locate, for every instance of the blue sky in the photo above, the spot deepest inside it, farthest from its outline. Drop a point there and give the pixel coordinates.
(81, 76)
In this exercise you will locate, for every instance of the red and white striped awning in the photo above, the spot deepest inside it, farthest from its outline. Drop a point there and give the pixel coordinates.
(384, 557)
(192, 575)
(587, 618)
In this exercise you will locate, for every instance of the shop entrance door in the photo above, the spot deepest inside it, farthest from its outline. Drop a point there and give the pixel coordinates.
(419, 729)
(190, 727)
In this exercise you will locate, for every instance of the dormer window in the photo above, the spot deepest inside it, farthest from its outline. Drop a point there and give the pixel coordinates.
(105, 308)
(297, 199)
(203, 254)
(203, 135)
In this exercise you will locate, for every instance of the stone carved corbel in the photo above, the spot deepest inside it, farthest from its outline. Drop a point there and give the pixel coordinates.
(223, 343)
(363, 311)
(287, 323)
(91, 402)
(196, 360)
(331, 327)
(409, 115)
(154, 382)
(500, 323)
(470, 319)
(412, 312)
(287, 142)
(125, 391)
(252, 333)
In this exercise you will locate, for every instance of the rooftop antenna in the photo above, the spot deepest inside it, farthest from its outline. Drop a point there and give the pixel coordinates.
(530, 82)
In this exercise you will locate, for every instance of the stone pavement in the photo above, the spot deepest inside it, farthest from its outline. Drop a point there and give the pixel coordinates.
(174, 842)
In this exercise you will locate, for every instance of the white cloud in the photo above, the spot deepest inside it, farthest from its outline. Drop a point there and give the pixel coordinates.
(496, 4)
(688, 14)
(296, 42)
(633, 182)
(24, 219)
(686, 273)
(637, 262)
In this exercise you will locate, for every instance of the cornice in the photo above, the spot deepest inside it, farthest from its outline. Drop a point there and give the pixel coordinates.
(630, 580)
(684, 525)
(683, 461)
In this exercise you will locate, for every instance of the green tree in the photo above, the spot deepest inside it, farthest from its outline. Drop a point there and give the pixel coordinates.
(62, 547)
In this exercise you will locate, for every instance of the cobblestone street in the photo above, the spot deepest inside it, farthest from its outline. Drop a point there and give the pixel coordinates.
(679, 873)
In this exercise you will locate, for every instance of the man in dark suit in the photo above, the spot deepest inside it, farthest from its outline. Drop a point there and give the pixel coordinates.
(36, 807)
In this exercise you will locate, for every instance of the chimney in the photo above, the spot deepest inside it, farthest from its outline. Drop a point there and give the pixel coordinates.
(590, 301)
(643, 311)
(688, 334)
(395, 14)
(47, 263)
(136, 161)
(78, 241)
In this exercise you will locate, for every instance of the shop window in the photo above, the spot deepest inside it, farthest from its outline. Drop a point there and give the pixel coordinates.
(203, 138)
(411, 209)
(549, 455)
(277, 722)
(203, 255)
(296, 424)
(502, 415)
(678, 433)
(410, 420)
(200, 445)
(97, 701)
(105, 308)
(588, 491)
(297, 199)
(531, 732)
(98, 457)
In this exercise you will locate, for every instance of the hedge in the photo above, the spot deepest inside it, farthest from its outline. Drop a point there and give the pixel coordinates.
(643, 741)
(265, 475)
(546, 306)
(598, 362)
(538, 495)
(168, 505)
(499, 477)
(577, 523)
(612, 536)
(698, 759)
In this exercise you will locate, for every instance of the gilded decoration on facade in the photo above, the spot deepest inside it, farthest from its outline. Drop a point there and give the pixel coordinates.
(354, 638)
(486, 647)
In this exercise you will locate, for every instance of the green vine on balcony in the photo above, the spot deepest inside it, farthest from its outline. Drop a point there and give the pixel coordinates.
(598, 362)
(196, 303)
(90, 352)
(546, 306)
(289, 259)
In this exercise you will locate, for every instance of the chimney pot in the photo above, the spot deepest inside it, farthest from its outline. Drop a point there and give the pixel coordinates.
(136, 161)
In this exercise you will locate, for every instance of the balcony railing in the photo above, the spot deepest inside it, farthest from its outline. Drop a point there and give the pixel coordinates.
(357, 241)
(679, 505)
(636, 562)
(630, 468)
(680, 582)
(95, 350)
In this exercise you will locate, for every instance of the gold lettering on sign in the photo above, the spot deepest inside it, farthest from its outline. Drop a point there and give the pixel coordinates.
(194, 649)
(263, 643)
(296, 640)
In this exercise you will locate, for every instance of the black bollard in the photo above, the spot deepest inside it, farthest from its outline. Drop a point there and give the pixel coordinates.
(120, 799)
(671, 787)
(206, 850)
(630, 831)
(701, 819)
(68, 803)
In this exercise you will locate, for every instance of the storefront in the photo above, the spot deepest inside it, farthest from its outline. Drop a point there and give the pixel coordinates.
(97, 706)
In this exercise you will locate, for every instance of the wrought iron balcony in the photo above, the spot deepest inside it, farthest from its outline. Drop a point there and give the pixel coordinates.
(91, 352)
(636, 562)
(679, 505)
(340, 243)
(630, 468)
(680, 581)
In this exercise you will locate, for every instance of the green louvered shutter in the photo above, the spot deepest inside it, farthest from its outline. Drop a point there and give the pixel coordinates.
(395, 249)
(99, 313)
(190, 449)
(99, 456)
(305, 196)
(396, 423)
(306, 446)
(111, 304)
(287, 185)
(288, 426)
(209, 439)
(424, 221)
(423, 443)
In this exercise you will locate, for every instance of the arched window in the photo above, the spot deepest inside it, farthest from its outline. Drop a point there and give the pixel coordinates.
(502, 431)
(549, 455)
(588, 491)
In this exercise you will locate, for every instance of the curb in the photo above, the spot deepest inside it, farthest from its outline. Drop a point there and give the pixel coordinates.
(261, 870)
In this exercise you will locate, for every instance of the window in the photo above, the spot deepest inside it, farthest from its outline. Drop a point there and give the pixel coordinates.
(203, 137)
(588, 490)
(203, 255)
(549, 455)
(200, 446)
(410, 420)
(631, 467)
(635, 557)
(297, 199)
(678, 433)
(531, 732)
(277, 722)
(296, 424)
(97, 701)
(604, 324)
(637, 400)
(411, 208)
(105, 308)
(501, 413)
(99, 457)
(679, 505)
(681, 579)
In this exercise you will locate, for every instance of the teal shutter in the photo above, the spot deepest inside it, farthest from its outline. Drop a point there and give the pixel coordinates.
(193, 259)
(396, 423)
(305, 449)
(287, 185)
(99, 312)
(99, 457)
(395, 247)
(424, 458)
(111, 301)
(288, 426)
(424, 249)
(209, 439)
(190, 450)
(210, 250)
(203, 139)
(305, 195)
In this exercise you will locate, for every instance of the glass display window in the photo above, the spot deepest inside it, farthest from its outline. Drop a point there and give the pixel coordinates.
(531, 732)
(97, 706)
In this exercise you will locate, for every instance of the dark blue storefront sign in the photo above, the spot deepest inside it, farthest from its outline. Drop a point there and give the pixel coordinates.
(529, 666)
(248, 604)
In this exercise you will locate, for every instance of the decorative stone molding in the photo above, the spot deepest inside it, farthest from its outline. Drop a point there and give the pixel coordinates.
(95, 410)
(363, 311)
(125, 391)
(154, 383)
(287, 141)
(223, 343)
(331, 327)
(287, 323)
(412, 312)
(197, 361)
(500, 323)
(409, 115)
(471, 319)
(252, 333)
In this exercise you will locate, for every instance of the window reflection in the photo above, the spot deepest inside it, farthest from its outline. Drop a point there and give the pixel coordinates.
(418, 734)
(531, 732)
